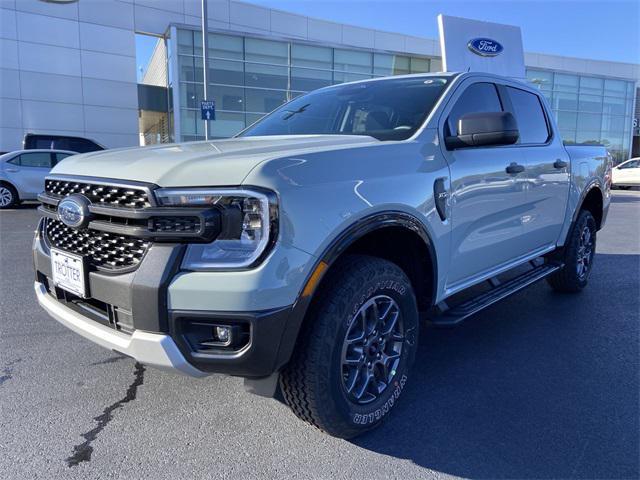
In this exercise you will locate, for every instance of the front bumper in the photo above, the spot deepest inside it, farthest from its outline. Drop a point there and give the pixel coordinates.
(150, 314)
(154, 349)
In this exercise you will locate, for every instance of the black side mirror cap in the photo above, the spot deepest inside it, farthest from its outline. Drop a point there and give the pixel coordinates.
(485, 129)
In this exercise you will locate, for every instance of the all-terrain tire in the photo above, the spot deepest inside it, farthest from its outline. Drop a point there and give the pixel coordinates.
(573, 277)
(314, 382)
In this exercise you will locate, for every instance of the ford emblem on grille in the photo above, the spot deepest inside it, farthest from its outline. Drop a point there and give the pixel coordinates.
(485, 47)
(73, 211)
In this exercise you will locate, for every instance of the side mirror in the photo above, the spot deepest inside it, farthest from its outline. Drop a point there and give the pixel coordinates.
(483, 129)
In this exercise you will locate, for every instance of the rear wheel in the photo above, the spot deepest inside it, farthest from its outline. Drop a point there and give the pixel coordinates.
(8, 196)
(578, 256)
(353, 360)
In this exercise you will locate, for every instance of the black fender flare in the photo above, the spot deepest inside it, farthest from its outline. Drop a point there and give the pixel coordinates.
(595, 183)
(332, 252)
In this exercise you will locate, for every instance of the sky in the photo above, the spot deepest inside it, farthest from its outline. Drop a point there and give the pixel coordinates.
(594, 29)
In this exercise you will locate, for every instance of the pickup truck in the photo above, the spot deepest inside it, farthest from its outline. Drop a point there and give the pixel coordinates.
(304, 253)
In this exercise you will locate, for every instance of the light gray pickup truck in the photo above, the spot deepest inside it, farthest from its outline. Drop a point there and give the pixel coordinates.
(302, 253)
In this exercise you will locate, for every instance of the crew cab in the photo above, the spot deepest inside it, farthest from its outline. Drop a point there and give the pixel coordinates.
(305, 253)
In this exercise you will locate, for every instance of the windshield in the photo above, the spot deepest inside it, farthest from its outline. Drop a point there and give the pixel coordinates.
(390, 109)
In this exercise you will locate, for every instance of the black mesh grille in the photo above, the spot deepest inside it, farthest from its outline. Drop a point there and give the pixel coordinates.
(106, 250)
(175, 224)
(106, 195)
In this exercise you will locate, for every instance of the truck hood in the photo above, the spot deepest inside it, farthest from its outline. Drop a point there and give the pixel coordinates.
(209, 163)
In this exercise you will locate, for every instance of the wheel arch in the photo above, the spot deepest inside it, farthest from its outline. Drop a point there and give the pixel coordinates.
(592, 199)
(12, 186)
(369, 235)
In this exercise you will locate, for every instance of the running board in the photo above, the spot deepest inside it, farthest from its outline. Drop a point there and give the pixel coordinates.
(457, 314)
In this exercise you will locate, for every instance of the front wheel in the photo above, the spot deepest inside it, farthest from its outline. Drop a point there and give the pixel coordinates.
(579, 252)
(353, 359)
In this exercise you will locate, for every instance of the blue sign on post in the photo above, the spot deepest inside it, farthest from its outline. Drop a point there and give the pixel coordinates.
(208, 110)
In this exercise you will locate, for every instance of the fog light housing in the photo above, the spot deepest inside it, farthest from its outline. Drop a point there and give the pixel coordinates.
(222, 334)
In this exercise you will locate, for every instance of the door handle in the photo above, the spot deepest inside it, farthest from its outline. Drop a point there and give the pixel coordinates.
(559, 164)
(515, 168)
(12, 170)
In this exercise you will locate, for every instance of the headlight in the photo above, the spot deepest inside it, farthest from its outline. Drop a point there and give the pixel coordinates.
(248, 221)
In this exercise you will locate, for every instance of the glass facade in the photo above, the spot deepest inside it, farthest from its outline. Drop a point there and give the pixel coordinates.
(589, 109)
(249, 77)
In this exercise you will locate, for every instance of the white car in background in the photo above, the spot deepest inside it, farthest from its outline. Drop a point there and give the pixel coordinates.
(627, 174)
(22, 174)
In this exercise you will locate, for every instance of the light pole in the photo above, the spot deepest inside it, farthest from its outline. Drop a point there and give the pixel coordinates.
(205, 62)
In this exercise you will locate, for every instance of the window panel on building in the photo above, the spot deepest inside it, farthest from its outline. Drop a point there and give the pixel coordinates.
(435, 65)
(266, 51)
(590, 103)
(353, 61)
(306, 79)
(311, 57)
(191, 94)
(613, 123)
(188, 122)
(185, 65)
(589, 121)
(419, 65)
(613, 106)
(259, 100)
(615, 88)
(185, 42)
(387, 64)
(567, 120)
(541, 78)
(266, 76)
(227, 72)
(197, 43)
(227, 98)
(565, 101)
(591, 85)
(565, 83)
(225, 46)
(588, 137)
(341, 77)
(568, 136)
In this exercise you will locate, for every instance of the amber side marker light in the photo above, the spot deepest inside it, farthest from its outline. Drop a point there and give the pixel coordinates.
(314, 279)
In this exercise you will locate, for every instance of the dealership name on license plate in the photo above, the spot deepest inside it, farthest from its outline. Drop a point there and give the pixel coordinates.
(68, 272)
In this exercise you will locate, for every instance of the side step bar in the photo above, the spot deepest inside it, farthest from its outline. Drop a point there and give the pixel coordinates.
(457, 314)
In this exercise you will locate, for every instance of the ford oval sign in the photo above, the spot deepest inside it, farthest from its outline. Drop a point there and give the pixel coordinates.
(485, 47)
(73, 211)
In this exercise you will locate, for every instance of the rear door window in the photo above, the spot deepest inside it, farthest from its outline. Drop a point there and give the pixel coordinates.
(532, 123)
(477, 98)
(36, 160)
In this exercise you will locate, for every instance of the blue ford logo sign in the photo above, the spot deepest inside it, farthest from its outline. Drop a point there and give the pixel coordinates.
(485, 47)
(73, 211)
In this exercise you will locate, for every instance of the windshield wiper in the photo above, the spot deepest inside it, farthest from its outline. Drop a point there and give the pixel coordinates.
(291, 113)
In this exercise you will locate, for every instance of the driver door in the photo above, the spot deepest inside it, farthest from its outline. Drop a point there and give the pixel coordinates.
(487, 202)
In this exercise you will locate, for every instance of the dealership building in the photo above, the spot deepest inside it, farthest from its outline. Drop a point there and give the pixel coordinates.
(70, 68)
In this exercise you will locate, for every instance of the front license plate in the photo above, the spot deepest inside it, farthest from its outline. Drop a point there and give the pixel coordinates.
(69, 272)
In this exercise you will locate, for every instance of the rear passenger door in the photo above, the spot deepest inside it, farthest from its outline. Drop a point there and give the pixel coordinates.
(547, 169)
(487, 202)
(28, 172)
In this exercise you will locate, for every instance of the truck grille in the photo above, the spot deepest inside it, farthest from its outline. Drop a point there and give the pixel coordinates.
(105, 195)
(104, 250)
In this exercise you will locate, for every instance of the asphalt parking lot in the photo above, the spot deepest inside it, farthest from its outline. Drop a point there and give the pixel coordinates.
(542, 385)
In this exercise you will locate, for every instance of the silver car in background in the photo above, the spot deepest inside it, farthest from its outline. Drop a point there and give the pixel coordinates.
(22, 174)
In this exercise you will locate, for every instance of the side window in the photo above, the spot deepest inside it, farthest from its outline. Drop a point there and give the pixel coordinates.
(633, 164)
(36, 159)
(529, 114)
(479, 97)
